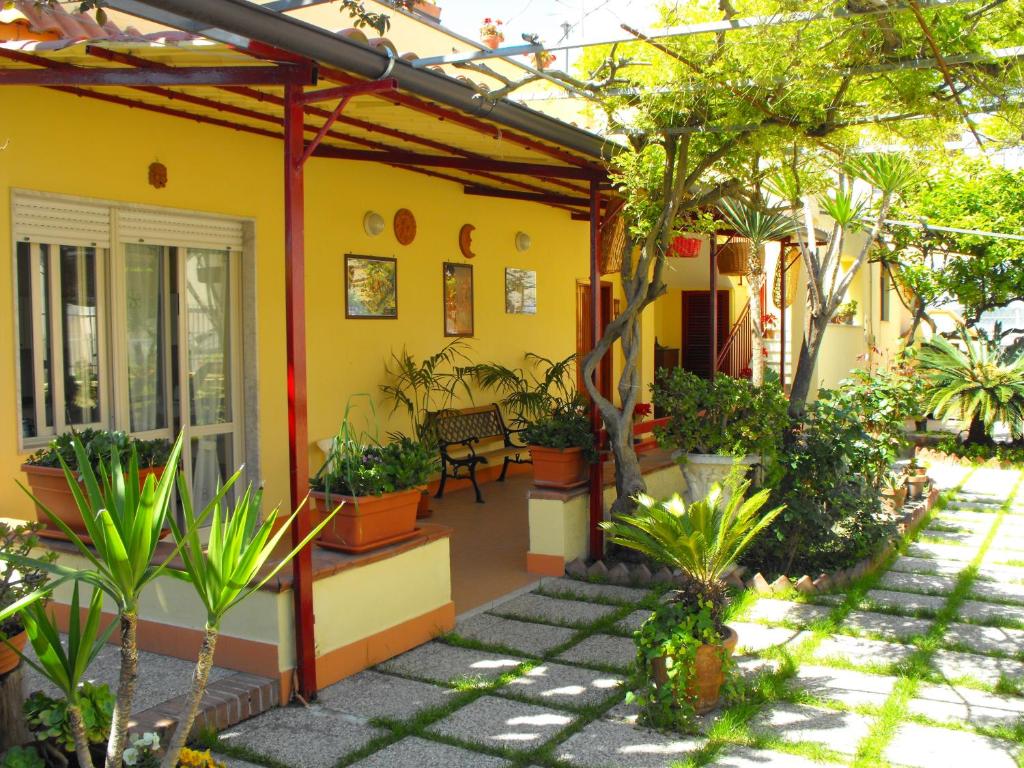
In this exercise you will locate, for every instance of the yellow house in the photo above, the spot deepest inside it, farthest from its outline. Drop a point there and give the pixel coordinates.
(192, 197)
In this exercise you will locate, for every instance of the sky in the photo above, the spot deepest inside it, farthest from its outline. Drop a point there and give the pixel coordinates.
(583, 20)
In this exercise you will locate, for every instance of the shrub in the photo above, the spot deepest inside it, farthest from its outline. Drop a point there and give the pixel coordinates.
(726, 415)
(98, 447)
(567, 427)
(883, 402)
(1010, 453)
(353, 469)
(19, 582)
(48, 720)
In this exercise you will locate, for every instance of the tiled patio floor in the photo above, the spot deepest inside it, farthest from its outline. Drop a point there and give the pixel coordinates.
(879, 679)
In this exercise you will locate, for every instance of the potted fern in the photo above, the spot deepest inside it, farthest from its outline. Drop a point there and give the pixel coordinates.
(684, 648)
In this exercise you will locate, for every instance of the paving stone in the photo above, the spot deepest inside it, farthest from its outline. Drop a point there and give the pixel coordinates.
(565, 685)
(744, 757)
(986, 639)
(952, 552)
(521, 636)
(633, 621)
(428, 754)
(964, 538)
(503, 723)
(975, 503)
(954, 665)
(844, 685)
(444, 663)
(906, 602)
(587, 590)
(891, 627)
(608, 744)
(371, 694)
(918, 582)
(755, 638)
(778, 611)
(602, 651)
(749, 667)
(965, 705)
(553, 610)
(839, 731)
(988, 590)
(303, 737)
(919, 746)
(990, 612)
(862, 651)
(906, 564)
(1001, 573)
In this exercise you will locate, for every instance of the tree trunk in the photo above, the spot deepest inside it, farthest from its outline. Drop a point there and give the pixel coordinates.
(976, 433)
(204, 663)
(756, 331)
(13, 731)
(803, 377)
(125, 689)
(629, 480)
(79, 733)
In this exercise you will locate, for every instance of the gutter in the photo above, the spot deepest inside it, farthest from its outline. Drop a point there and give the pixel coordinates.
(243, 21)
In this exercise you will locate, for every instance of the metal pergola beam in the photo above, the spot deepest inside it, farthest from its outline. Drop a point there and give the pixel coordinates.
(129, 77)
(468, 57)
(507, 194)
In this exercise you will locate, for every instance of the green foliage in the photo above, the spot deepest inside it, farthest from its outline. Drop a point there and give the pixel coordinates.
(47, 717)
(532, 392)
(756, 225)
(355, 469)
(99, 445)
(567, 427)
(19, 583)
(22, 757)
(1002, 452)
(973, 383)
(727, 416)
(429, 385)
(883, 401)
(375, 20)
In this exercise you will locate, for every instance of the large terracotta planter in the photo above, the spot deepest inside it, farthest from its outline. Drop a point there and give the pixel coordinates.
(8, 658)
(560, 468)
(702, 470)
(704, 686)
(50, 486)
(365, 523)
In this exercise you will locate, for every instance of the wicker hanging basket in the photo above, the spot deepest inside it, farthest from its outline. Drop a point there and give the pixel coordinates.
(733, 257)
(613, 237)
(790, 256)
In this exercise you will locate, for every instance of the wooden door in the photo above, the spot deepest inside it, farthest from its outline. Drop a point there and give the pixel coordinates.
(585, 336)
(696, 319)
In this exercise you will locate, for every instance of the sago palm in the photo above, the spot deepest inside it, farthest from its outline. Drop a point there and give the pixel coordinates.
(974, 384)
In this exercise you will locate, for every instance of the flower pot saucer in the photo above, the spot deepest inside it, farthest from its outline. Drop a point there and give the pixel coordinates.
(378, 544)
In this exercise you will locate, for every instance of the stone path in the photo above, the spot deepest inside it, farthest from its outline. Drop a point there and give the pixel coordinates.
(920, 667)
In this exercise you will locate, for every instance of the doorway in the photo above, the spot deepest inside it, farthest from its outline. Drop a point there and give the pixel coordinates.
(696, 330)
(585, 336)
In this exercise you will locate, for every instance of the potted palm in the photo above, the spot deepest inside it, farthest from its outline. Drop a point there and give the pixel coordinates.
(715, 426)
(894, 490)
(683, 649)
(44, 470)
(561, 446)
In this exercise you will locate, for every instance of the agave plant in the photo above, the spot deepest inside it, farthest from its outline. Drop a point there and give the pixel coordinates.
(703, 540)
(974, 384)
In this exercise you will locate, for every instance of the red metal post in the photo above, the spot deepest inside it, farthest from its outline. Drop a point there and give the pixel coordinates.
(783, 267)
(298, 435)
(596, 469)
(713, 304)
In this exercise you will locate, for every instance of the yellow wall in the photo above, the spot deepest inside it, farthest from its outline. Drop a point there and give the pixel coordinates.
(220, 171)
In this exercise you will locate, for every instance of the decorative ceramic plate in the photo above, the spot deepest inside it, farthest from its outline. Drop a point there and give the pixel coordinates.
(405, 226)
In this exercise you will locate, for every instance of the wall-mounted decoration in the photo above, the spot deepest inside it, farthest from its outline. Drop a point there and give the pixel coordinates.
(405, 226)
(523, 242)
(373, 223)
(466, 241)
(520, 291)
(157, 175)
(371, 287)
(458, 299)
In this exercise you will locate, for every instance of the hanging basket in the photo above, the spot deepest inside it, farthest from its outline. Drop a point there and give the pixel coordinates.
(613, 237)
(733, 257)
(789, 256)
(685, 247)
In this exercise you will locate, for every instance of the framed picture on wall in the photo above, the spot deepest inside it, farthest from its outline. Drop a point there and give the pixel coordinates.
(458, 299)
(520, 291)
(371, 287)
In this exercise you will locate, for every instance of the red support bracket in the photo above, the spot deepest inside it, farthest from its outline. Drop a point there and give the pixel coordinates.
(346, 94)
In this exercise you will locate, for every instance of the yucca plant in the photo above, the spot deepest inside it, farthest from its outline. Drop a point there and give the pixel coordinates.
(974, 384)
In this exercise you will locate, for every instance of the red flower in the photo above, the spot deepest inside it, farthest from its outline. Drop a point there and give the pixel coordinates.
(642, 409)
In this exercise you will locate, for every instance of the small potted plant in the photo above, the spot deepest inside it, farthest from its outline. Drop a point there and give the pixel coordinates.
(917, 478)
(543, 59)
(378, 488)
(49, 486)
(684, 648)
(561, 446)
(894, 490)
(846, 312)
(769, 324)
(490, 32)
(17, 541)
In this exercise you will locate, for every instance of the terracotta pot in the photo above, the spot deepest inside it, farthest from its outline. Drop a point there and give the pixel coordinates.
(704, 685)
(8, 658)
(558, 467)
(50, 486)
(916, 486)
(493, 41)
(429, 9)
(366, 523)
(423, 509)
(896, 498)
